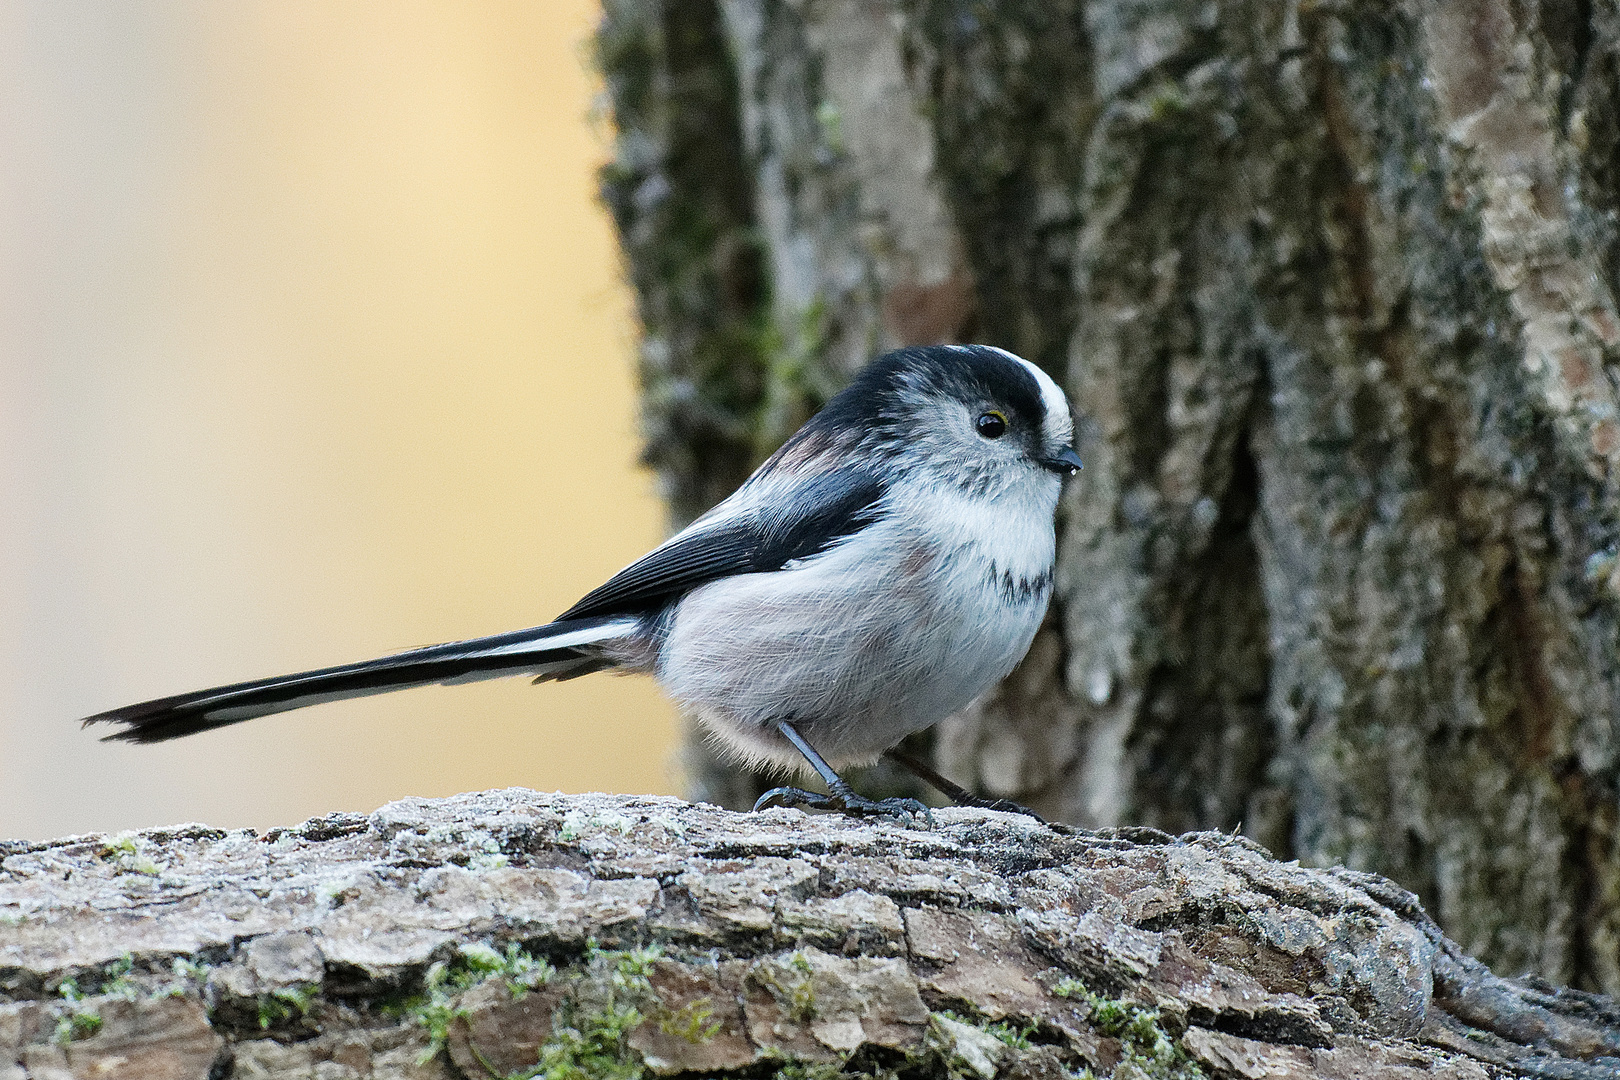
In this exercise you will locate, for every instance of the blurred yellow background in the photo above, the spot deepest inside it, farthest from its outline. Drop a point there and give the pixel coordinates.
(313, 346)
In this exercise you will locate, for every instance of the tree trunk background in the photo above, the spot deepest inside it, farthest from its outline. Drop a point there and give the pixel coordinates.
(507, 935)
(1332, 287)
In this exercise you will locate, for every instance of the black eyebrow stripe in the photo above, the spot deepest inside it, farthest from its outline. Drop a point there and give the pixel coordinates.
(874, 400)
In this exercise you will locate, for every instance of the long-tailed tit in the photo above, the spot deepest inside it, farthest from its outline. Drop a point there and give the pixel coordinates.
(885, 567)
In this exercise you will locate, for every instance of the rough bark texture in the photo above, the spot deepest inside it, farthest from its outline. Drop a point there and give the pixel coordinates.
(515, 934)
(1332, 287)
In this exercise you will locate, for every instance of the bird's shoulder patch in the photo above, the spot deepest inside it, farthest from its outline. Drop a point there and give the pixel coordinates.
(806, 519)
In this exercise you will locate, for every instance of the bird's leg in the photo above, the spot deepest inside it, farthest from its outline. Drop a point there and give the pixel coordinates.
(841, 796)
(958, 794)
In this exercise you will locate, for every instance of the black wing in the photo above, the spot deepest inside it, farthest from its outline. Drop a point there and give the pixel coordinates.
(825, 509)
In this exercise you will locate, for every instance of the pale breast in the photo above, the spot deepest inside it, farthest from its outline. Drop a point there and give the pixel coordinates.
(860, 645)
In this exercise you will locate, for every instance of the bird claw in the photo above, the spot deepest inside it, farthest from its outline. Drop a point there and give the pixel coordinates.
(958, 794)
(1004, 805)
(901, 810)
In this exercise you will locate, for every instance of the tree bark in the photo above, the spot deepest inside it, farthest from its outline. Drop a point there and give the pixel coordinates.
(513, 934)
(1332, 288)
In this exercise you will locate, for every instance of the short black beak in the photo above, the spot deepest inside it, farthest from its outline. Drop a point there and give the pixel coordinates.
(1066, 462)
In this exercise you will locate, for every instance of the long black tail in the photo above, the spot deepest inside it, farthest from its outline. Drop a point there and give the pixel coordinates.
(556, 650)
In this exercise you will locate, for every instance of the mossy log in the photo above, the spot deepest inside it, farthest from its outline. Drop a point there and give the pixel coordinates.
(511, 933)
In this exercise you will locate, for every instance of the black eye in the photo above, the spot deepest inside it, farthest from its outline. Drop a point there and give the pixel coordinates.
(992, 425)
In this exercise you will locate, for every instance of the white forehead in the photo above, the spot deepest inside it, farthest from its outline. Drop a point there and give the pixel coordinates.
(1058, 418)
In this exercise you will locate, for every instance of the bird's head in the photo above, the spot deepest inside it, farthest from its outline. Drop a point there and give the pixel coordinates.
(971, 415)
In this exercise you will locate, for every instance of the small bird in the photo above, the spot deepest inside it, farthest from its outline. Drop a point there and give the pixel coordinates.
(884, 568)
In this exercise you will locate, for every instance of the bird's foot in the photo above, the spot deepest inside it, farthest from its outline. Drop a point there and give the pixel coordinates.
(958, 794)
(905, 811)
(1004, 805)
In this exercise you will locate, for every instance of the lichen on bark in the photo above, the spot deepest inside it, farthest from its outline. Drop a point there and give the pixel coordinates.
(513, 934)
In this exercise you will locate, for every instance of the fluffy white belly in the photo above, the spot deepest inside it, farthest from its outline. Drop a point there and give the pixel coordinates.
(858, 648)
